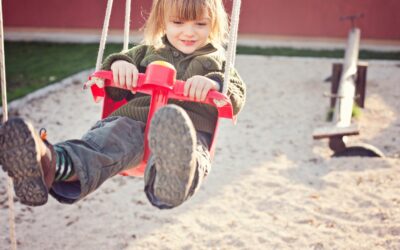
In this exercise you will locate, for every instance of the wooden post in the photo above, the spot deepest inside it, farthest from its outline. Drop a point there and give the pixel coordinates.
(361, 83)
(336, 73)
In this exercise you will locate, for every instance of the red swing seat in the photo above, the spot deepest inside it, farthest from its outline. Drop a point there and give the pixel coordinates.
(160, 83)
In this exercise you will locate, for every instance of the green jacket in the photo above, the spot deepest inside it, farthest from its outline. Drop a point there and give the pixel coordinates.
(206, 61)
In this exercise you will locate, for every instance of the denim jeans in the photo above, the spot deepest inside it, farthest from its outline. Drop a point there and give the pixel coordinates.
(114, 144)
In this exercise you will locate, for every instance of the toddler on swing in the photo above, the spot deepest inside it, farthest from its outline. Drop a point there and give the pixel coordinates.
(190, 35)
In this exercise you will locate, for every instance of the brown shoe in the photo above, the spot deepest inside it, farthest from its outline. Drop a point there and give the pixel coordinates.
(28, 160)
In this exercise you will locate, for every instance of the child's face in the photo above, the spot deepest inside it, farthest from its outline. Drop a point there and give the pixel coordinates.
(188, 36)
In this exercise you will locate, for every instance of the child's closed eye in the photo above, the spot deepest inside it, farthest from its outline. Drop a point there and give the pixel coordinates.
(177, 22)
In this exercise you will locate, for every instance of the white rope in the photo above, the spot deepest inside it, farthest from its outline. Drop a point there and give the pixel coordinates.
(3, 69)
(127, 22)
(231, 50)
(104, 35)
(11, 217)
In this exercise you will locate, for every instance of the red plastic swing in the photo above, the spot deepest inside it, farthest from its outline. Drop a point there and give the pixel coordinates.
(160, 83)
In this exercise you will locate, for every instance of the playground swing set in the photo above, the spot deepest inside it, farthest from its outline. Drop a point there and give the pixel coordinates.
(347, 89)
(159, 81)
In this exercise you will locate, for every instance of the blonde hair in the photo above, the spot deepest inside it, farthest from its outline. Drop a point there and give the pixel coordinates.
(186, 10)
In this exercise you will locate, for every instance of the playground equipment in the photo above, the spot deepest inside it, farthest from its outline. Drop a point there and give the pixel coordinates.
(160, 83)
(348, 87)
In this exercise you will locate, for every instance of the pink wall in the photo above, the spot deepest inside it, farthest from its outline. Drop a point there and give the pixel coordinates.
(315, 18)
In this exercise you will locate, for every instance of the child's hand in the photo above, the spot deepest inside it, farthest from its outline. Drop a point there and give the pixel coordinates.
(197, 87)
(125, 74)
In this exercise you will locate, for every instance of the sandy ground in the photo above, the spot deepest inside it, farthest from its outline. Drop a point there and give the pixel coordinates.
(272, 186)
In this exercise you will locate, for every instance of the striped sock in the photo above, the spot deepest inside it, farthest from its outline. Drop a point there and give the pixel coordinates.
(64, 167)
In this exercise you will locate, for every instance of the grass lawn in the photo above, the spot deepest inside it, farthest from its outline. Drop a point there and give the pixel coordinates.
(32, 65)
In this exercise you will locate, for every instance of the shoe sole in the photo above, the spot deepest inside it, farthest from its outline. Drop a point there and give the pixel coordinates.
(20, 159)
(172, 141)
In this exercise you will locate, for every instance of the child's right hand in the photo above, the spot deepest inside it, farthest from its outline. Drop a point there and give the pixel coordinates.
(125, 74)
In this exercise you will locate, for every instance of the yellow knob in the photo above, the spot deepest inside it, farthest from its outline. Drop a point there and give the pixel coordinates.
(164, 63)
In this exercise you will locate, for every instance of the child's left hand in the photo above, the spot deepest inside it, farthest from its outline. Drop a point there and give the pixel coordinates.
(197, 87)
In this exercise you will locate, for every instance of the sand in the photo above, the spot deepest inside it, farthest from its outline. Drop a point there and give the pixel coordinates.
(271, 187)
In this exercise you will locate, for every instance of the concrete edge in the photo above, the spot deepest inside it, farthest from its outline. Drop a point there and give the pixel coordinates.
(116, 36)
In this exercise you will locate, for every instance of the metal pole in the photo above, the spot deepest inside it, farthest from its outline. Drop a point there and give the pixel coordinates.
(347, 86)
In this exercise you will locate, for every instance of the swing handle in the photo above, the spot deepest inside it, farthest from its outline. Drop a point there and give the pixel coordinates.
(161, 76)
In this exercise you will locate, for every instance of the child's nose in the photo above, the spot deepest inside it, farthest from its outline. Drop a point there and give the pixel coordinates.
(189, 31)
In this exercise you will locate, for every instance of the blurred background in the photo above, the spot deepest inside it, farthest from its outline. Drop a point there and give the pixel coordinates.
(301, 19)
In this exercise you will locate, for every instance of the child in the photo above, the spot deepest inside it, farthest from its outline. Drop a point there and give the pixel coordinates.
(190, 35)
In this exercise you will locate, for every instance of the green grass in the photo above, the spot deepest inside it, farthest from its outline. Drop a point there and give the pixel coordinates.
(356, 113)
(32, 65)
(283, 51)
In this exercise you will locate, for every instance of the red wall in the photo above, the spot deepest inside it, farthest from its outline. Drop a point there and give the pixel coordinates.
(315, 18)
(321, 17)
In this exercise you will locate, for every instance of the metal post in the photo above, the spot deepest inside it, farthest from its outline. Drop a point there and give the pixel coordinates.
(347, 87)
